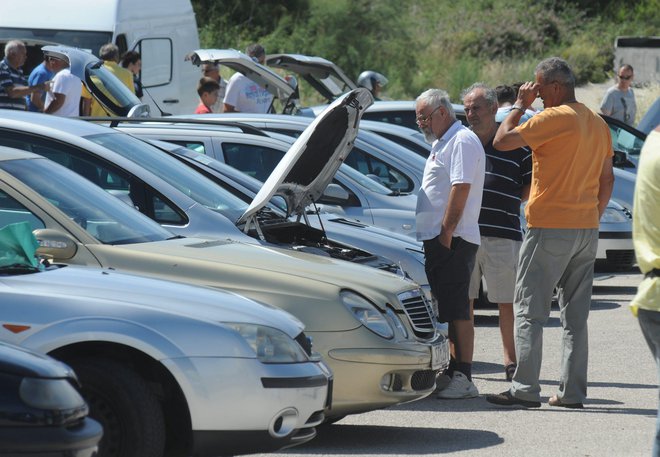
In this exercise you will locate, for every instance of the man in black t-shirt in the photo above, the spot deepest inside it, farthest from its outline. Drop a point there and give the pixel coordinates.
(506, 186)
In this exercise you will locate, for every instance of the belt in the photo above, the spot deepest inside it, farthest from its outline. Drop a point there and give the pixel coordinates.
(653, 273)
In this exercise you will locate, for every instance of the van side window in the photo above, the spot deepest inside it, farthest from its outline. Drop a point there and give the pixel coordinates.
(157, 58)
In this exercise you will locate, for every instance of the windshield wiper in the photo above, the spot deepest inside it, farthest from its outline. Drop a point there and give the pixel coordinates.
(18, 268)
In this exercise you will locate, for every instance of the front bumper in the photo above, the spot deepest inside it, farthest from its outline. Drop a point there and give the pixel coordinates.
(615, 249)
(271, 406)
(369, 377)
(79, 440)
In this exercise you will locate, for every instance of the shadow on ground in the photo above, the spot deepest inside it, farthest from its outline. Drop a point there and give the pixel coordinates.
(388, 440)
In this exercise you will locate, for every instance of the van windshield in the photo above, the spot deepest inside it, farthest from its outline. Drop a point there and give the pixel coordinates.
(87, 40)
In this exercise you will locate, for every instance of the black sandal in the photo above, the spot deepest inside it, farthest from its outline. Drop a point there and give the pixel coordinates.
(509, 370)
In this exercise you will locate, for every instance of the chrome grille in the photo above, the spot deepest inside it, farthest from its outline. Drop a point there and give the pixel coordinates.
(419, 313)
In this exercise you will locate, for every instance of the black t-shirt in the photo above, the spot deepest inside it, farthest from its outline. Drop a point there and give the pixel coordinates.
(506, 174)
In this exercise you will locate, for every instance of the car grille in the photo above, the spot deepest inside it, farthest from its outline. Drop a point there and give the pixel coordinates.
(423, 380)
(623, 258)
(419, 313)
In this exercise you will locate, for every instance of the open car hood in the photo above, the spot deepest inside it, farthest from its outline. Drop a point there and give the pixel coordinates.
(324, 76)
(104, 86)
(237, 61)
(312, 161)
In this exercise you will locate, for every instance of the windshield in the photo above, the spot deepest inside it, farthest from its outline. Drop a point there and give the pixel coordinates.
(364, 180)
(103, 216)
(193, 184)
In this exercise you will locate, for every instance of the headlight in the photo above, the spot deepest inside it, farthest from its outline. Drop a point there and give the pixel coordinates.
(397, 322)
(611, 215)
(367, 314)
(269, 344)
(50, 394)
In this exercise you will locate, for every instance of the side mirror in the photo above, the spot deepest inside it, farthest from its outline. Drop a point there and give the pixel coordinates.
(55, 244)
(621, 160)
(334, 193)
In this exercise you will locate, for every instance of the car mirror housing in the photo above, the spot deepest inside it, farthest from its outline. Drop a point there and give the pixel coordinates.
(335, 193)
(55, 244)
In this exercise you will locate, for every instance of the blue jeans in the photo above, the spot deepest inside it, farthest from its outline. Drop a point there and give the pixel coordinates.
(649, 321)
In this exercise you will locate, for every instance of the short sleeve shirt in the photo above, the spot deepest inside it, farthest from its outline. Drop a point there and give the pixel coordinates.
(456, 158)
(9, 77)
(71, 87)
(569, 146)
(246, 96)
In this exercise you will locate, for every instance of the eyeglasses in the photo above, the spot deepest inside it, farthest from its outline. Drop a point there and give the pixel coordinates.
(625, 78)
(426, 119)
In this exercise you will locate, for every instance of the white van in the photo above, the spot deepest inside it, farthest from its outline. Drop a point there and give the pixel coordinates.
(162, 31)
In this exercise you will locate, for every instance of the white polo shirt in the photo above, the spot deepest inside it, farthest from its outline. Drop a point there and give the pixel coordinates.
(456, 158)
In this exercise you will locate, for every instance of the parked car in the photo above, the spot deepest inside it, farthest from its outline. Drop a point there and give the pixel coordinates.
(42, 411)
(277, 227)
(100, 321)
(351, 194)
(374, 329)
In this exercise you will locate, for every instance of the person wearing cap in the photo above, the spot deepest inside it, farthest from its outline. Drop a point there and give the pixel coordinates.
(64, 97)
(13, 85)
(244, 95)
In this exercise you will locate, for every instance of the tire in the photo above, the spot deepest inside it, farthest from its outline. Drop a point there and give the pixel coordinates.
(121, 400)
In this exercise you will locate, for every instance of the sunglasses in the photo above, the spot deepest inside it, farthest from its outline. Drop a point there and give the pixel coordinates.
(625, 78)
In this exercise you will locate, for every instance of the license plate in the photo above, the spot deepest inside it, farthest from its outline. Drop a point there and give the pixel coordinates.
(440, 355)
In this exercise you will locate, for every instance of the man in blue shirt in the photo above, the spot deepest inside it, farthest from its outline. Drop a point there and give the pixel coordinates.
(40, 74)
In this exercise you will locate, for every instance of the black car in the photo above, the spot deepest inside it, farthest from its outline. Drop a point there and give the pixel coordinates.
(41, 410)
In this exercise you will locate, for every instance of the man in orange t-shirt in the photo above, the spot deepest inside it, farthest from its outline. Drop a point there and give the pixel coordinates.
(572, 181)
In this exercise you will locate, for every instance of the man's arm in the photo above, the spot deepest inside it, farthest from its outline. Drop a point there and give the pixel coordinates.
(37, 101)
(606, 105)
(16, 91)
(606, 185)
(56, 103)
(506, 137)
(455, 205)
(227, 108)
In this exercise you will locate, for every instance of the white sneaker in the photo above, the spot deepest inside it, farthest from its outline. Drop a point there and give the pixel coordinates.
(459, 387)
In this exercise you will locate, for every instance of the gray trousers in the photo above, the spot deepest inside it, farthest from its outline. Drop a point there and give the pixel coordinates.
(649, 321)
(549, 258)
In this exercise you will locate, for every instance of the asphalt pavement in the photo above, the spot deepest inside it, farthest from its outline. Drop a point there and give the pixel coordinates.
(618, 418)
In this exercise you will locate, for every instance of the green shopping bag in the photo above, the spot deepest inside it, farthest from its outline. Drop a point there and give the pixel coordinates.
(18, 245)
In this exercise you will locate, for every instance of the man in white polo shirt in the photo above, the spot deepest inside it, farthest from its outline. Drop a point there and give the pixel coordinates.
(447, 221)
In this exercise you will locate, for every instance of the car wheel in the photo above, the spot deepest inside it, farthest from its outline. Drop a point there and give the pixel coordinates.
(121, 400)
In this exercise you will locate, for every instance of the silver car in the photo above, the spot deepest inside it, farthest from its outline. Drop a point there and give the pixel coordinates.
(129, 340)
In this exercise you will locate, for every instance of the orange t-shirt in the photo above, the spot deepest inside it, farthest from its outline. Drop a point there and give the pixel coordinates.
(569, 146)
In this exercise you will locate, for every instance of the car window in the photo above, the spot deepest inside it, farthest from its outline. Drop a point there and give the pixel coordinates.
(189, 182)
(111, 178)
(405, 118)
(625, 141)
(256, 161)
(12, 212)
(375, 168)
(197, 146)
(102, 216)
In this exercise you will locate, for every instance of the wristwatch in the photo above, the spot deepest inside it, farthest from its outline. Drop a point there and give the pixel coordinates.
(518, 107)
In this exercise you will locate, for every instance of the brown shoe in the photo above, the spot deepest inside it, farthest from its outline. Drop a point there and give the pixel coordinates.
(556, 401)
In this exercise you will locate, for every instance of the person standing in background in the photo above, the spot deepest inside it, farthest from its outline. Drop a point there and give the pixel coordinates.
(13, 85)
(109, 53)
(646, 238)
(63, 99)
(244, 95)
(506, 186)
(619, 101)
(212, 70)
(207, 89)
(132, 61)
(41, 74)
